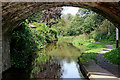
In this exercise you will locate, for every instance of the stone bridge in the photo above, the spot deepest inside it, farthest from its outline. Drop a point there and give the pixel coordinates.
(14, 13)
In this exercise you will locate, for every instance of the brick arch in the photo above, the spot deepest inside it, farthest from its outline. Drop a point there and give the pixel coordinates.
(14, 13)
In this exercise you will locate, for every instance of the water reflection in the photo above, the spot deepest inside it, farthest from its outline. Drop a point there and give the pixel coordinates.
(50, 69)
(56, 60)
(70, 70)
(62, 62)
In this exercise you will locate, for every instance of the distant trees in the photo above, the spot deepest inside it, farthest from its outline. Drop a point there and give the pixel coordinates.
(75, 26)
(86, 21)
(105, 31)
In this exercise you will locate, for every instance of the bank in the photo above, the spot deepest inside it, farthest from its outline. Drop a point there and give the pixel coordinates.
(89, 63)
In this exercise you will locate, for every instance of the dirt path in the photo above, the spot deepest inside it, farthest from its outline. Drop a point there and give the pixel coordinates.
(114, 69)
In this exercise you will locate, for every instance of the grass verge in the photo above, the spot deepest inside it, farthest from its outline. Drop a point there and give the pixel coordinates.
(65, 37)
(85, 45)
(88, 48)
(110, 42)
(84, 57)
(113, 56)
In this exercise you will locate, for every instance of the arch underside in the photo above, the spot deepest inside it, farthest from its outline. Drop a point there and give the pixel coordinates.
(13, 14)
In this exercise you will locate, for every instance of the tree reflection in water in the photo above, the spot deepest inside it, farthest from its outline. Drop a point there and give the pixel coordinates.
(51, 69)
(56, 60)
(56, 56)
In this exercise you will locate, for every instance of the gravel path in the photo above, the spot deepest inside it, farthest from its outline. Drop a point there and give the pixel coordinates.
(114, 69)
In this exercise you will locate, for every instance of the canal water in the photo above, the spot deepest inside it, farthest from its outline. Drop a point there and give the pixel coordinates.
(56, 60)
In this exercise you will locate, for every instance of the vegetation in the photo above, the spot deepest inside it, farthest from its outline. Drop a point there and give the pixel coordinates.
(34, 33)
(65, 37)
(49, 16)
(88, 55)
(26, 40)
(113, 56)
(86, 45)
(96, 27)
(85, 28)
(88, 48)
(86, 21)
(109, 42)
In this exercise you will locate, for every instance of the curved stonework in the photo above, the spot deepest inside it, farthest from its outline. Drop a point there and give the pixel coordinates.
(14, 13)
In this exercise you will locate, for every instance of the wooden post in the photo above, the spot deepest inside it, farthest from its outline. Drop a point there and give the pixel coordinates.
(117, 38)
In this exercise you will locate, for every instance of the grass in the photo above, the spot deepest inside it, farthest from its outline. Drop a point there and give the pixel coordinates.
(113, 56)
(111, 42)
(89, 50)
(106, 41)
(90, 55)
(115, 45)
(65, 37)
(85, 45)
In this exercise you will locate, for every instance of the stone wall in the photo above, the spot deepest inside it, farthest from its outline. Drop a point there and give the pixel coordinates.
(5, 51)
(14, 13)
(0, 51)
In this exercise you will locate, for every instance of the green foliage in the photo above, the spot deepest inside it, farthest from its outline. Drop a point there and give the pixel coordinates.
(25, 40)
(90, 55)
(41, 58)
(113, 56)
(84, 44)
(106, 31)
(35, 18)
(85, 21)
(22, 46)
(61, 27)
(54, 33)
(74, 27)
(38, 63)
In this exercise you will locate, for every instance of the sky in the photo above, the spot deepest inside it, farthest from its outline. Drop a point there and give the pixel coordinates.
(72, 10)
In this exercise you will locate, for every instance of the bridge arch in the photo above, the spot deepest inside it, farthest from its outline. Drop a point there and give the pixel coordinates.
(14, 13)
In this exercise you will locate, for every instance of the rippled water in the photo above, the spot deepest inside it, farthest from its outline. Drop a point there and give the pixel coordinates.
(56, 60)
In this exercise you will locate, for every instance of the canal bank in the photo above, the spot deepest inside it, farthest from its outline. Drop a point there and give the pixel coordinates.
(98, 71)
(95, 72)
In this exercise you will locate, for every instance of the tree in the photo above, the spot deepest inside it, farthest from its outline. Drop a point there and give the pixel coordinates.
(74, 27)
(83, 12)
(50, 16)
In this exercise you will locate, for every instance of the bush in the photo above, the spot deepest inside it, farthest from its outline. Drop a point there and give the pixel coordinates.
(54, 33)
(113, 56)
(22, 45)
(26, 40)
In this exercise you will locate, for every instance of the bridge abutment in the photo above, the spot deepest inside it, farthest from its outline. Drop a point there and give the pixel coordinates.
(5, 52)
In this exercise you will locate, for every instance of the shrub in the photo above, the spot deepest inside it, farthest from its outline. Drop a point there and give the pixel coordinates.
(113, 56)
(26, 40)
(22, 45)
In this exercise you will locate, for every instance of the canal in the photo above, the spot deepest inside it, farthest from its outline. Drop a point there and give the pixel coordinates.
(56, 60)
